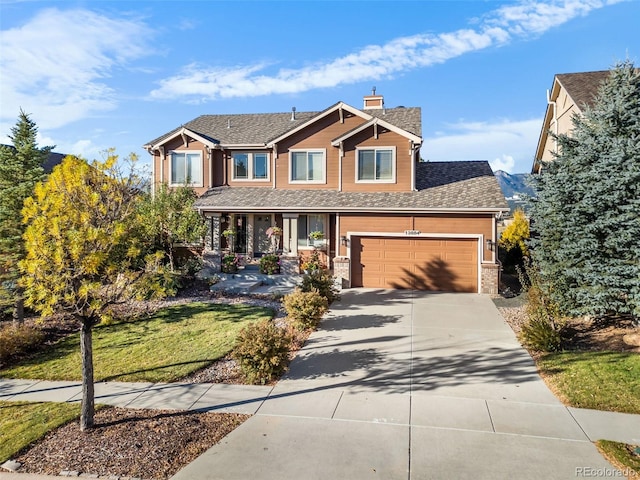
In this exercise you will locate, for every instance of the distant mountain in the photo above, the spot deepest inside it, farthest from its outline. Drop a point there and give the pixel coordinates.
(514, 187)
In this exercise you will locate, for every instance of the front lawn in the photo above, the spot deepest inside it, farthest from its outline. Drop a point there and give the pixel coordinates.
(165, 347)
(597, 380)
(22, 423)
(625, 457)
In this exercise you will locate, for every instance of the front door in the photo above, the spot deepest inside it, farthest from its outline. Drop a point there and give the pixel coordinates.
(261, 243)
(241, 234)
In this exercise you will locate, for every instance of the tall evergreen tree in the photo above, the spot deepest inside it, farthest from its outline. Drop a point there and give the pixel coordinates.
(586, 217)
(20, 170)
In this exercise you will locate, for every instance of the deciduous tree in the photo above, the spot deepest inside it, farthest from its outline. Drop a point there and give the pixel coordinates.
(20, 170)
(587, 212)
(168, 217)
(81, 250)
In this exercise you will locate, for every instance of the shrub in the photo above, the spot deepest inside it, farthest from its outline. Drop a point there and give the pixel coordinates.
(313, 263)
(262, 351)
(323, 282)
(305, 308)
(17, 340)
(270, 264)
(230, 263)
(541, 335)
(544, 329)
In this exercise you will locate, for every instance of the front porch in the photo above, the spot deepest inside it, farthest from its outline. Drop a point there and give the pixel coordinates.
(250, 236)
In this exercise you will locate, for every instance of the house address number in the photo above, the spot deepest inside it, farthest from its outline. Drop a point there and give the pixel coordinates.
(412, 232)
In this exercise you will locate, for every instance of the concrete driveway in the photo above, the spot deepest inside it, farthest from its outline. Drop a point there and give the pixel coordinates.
(407, 385)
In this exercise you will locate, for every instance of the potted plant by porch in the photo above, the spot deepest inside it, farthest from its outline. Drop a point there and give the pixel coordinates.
(270, 264)
(229, 234)
(317, 238)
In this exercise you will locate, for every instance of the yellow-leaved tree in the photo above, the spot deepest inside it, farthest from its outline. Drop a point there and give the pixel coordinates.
(82, 256)
(517, 233)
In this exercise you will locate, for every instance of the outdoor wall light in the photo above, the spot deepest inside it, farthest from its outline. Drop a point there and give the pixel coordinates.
(343, 241)
(491, 245)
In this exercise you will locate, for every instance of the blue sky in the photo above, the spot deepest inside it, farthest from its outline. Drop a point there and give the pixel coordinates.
(99, 74)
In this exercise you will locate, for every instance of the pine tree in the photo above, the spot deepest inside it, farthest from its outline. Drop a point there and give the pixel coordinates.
(587, 213)
(20, 169)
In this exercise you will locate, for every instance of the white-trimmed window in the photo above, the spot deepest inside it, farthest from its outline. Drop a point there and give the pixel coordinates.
(308, 224)
(376, 165)
(308, 166)
(250, 166)
(186, 168)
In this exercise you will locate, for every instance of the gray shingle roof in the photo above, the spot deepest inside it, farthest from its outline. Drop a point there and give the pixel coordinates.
(583, 86)
(260, 128)
(440, 186)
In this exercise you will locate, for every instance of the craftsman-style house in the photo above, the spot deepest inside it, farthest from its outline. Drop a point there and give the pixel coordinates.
(345, 181)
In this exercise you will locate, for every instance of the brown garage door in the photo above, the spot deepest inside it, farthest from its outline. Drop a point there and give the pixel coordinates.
(449, 265)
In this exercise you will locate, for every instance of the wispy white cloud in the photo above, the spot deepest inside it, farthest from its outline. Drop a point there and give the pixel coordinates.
(506, 144)
(55, 66)
(198, 82)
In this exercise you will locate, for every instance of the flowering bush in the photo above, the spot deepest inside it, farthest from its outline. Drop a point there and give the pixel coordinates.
(270, 264)
(230, 263)
(313, 263)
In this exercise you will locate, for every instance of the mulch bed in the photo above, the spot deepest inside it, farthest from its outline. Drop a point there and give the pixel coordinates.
(147, 444)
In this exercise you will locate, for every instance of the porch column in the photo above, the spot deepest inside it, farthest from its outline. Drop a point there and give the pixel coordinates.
(290, 234)
(211, 253)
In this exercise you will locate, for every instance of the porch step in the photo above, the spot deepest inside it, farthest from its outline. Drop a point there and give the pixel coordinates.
(239, 283)
(236, 286)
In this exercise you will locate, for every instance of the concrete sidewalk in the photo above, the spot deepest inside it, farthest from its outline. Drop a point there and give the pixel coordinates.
(394, 384)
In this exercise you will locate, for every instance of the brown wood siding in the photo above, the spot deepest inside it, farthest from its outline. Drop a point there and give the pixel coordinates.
(315, 136)
(449, 265)
(428, 223)
(178, 145)
(385, 138)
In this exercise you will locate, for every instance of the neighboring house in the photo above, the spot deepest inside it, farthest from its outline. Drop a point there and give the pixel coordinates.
(52, 160)
(569, 95)
(387, 220)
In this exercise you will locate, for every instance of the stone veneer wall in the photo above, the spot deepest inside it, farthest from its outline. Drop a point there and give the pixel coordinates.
(341, 270)
(289, 265)
(490, 278)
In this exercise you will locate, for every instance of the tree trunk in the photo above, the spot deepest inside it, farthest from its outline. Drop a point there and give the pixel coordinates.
(86, 351)
(18, 307)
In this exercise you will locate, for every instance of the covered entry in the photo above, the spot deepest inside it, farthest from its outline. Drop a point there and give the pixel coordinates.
(442, 264)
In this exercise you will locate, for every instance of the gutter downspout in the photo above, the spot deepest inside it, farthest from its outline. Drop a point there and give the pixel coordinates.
(162, 158)
(413, 148)
(340, 155)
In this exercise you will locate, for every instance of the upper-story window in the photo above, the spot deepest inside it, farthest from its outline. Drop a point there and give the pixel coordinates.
(376, 165)
(308, 166)
(186, 168)
(250, 166)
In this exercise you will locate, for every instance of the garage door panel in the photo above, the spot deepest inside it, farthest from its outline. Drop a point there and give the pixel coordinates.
(421, 263)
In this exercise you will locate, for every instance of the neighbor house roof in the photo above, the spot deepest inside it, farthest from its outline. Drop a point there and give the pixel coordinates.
(441, 186)
(262, 128)
(582, 87)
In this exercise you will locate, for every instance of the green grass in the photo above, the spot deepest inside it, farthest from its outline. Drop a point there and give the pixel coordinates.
(171, 344)
(621, 455)
(22, 423)
(598, 380)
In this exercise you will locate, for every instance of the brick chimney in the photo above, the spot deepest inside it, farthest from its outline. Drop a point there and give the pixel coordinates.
(373, 101)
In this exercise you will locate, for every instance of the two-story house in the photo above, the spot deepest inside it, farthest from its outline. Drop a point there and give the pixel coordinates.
(569, 95)
(352, 177)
